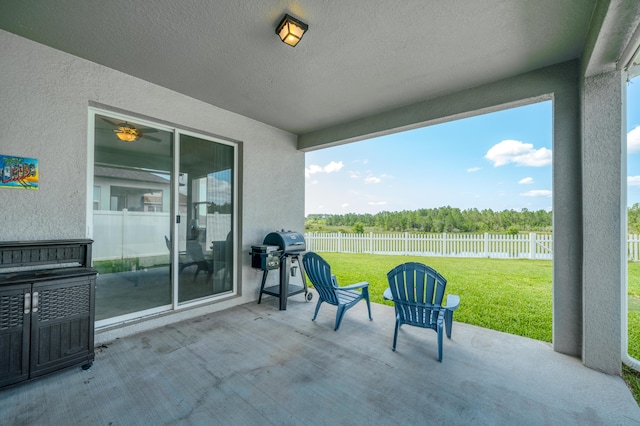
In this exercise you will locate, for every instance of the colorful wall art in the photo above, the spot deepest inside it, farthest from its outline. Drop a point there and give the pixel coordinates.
(19, 172)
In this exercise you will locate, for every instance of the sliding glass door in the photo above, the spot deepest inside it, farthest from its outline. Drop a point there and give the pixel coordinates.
(206, 218)
(163, 208)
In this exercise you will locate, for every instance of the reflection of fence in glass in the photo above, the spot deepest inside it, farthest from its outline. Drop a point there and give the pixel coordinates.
(125, 235)
(522, 246)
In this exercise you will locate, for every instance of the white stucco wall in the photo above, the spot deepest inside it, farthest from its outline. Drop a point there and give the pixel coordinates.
(45, 95)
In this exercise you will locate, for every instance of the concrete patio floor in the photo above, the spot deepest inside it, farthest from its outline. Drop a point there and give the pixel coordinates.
(256, 365)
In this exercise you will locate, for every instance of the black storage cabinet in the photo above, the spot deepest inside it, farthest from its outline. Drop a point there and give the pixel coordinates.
(47, 307)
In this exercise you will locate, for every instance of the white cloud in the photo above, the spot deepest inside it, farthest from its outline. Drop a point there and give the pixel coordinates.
(377, 203)
(633, 140)
(345, 205)
(473, 169)
(519, 153)
(633, 180)
(329, 168)
(371, 179)
(220, 191)
(333, 166)
(312, 169)
(526, 181)
(537, 193)
(354, 174)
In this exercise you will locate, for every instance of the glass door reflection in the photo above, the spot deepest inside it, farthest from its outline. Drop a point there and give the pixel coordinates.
(205, 207)
(131, 217)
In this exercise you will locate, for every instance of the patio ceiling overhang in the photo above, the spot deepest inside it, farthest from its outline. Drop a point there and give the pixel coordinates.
(358, 58)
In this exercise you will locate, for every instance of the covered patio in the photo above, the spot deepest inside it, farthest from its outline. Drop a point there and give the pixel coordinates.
(365, 69)
(253, 364)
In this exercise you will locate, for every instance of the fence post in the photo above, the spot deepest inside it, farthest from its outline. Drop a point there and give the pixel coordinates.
(406, 243)
(486, 244)
(444, 244)
(339, 242)
(532, 245)
(371, 242)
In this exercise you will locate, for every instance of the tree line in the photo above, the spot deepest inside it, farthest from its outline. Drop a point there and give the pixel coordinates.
(633, 219)
(448, 219)
(441, 219)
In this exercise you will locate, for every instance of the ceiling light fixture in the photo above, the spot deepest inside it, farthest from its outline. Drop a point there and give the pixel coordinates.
(290, 30)
(127, 134)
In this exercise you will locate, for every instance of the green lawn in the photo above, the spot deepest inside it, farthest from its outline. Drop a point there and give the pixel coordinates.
(513, 296)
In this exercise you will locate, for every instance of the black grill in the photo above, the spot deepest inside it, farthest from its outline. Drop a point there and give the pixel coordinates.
(281, 250)
(289, 242)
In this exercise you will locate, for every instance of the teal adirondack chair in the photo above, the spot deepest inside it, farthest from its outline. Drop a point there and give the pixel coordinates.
(325, 283)
(417, 291)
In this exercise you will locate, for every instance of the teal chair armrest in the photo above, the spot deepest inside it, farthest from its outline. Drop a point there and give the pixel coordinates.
(354, 286)
(453, 301)
(387, 294)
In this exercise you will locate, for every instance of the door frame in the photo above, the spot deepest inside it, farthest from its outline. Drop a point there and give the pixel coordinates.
(174, 207)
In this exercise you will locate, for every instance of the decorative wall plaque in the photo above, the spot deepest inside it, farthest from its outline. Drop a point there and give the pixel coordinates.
(18, 172)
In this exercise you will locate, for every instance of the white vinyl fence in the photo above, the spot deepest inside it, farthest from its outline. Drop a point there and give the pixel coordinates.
(121, 235)
(522, 246)
(127, 235)
(633, 247)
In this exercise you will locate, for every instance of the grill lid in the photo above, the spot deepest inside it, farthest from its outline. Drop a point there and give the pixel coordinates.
(288, 241)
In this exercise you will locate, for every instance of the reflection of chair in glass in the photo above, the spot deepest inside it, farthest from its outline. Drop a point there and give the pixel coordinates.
(193, 256)
(182, 260)
(194, 250)
(417, 291)
(319, 273)
(222, 252)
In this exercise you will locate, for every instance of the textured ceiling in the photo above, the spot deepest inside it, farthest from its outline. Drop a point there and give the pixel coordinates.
(358, 57)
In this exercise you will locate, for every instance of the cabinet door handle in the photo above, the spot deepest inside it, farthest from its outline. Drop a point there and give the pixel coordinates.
(27, 303)
(35, 301)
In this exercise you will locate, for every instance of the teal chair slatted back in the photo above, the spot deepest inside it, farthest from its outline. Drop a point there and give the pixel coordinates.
(319, 273)
(417, 292)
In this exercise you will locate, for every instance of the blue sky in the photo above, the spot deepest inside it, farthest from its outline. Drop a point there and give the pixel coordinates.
(633, 141)
(494, 161)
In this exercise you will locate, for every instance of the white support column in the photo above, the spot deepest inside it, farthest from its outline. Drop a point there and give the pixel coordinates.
(567, 216)
(604, 170)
